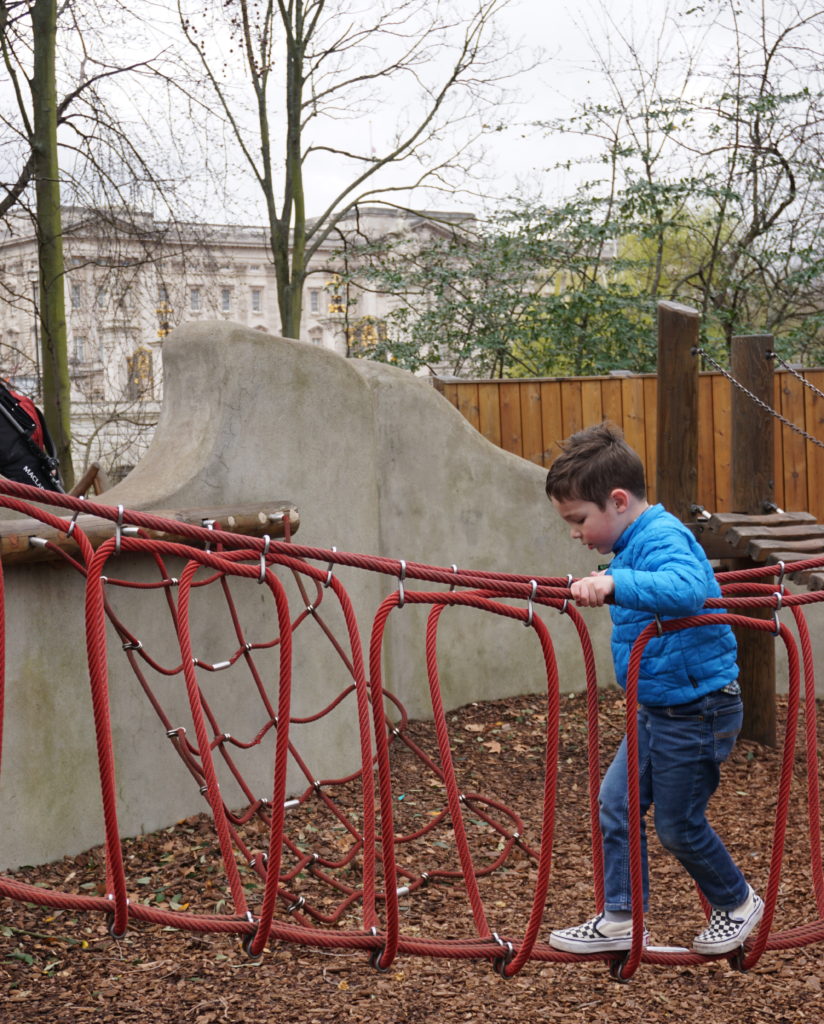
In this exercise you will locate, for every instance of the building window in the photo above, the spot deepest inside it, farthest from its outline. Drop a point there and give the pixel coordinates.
(314, 300)
(316, 336)
(226, 300)
(102, 298)
(140, 379)
(79, 348)
(162, 295)
(257, 300)
(194, 299)
(76, 296)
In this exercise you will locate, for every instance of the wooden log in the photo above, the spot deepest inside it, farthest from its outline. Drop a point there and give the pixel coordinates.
(767, 549)
(753, 491)
(792, 534)
(677, 409)
(15, 534)
(721, 522)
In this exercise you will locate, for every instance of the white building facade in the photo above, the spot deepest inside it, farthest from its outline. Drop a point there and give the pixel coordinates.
(131, 280)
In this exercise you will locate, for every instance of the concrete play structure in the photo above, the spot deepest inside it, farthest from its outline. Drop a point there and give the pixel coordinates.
(376, 462)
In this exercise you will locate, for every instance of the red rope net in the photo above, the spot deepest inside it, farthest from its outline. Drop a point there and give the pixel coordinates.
(344, 888)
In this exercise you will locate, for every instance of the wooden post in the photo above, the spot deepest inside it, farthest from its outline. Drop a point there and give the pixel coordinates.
(753, 484)
(677, 471)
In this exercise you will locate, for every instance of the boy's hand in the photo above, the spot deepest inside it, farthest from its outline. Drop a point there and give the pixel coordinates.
(592, 591)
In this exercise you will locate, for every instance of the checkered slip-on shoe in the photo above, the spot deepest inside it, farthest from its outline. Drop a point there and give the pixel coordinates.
(595, 936)
(727, 929)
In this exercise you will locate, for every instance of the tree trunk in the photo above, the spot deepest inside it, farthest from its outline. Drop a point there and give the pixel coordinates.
(56, 385)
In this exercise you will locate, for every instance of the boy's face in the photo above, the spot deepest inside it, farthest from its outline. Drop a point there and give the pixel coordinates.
(598, 528)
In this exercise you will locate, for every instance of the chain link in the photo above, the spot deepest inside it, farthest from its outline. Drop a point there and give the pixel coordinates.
(807, 383)
(754, 398)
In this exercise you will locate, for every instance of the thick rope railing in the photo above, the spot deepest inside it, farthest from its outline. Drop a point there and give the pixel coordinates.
(368, 875)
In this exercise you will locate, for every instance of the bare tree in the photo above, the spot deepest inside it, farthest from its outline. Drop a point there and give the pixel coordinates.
(422, 68)
(713, 157)
(74, 134)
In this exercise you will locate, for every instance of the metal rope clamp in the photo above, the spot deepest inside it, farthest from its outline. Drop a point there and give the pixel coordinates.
(529, 605)
(329, 574)
(779, 601)
(565, 605)
(401, 578)
(500, 963)
(376, 954)
(73, 522)
(118, 530)
(209, 524)
(263, 554)
(249, 938)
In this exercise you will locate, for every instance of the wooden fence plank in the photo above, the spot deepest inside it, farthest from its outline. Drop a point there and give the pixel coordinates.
(449, 390)
(793, 445)
(611, 401)
(533, 444)
(510, 402)
(489, 412)
(778, 446)
(814, 420)
(650, 386)
(571, 412)
(468, 403)
(706, 453)
(591, 410)
(722, 442)
(552, 421)
(632, 391)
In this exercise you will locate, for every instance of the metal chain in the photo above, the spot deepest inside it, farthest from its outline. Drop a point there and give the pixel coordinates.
(754, 398)
(795, 373)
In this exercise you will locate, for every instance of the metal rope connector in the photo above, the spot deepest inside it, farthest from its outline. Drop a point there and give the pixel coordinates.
(329, 570)
(118, 530)
(779, 601)
(73, 523)
(401, 578)
(268, 540)
(500, 963)
(565, 605)
(209, 524)
(530, 610)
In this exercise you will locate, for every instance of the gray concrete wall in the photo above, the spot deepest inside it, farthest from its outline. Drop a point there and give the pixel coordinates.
(379, 463)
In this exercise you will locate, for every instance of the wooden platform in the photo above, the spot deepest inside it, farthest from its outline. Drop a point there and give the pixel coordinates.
(765, 539)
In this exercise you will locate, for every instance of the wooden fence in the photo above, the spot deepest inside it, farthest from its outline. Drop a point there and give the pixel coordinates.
(529, 417)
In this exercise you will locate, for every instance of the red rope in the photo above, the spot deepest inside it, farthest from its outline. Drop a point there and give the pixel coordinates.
(367, 872)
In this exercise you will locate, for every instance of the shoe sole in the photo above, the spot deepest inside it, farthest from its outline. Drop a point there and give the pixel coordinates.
(566, 945)
(728, 945)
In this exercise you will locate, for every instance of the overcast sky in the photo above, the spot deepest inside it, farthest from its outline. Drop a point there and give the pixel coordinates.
(558, 37)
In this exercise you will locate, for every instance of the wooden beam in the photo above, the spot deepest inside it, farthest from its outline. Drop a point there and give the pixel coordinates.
(753, 490)
(15, 534)
(677, 409)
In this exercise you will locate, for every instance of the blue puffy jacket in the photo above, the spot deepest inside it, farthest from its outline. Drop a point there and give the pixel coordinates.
(659, 567)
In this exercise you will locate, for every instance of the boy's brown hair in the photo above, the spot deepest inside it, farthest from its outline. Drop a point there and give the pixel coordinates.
(592, 464)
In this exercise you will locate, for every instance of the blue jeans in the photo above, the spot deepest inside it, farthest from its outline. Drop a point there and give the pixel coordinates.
(680, 749)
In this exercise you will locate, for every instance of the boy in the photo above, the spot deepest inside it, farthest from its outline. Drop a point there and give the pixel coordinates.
(689, 702)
